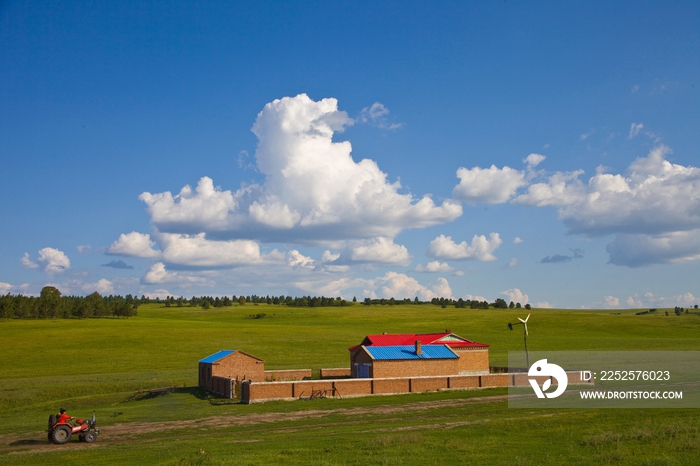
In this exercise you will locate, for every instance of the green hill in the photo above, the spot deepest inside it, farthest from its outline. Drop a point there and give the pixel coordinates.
(99, 364)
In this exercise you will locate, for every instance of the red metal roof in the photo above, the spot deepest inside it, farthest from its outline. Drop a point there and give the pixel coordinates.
(401, 339)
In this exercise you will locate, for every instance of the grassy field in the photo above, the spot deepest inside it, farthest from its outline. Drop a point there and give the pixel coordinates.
(99, 363)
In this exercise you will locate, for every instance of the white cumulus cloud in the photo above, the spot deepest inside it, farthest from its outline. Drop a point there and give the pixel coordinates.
(562, 188)
(490, 185)
(649, 299)
(205, 207)
(297, 259)
(641, 250)
(534, 159)
(481, 248)
(634, 302)
(5, 288)
(134, 244)
(494, 185)
(324, 287)
(378, 251)
(328, 256)
(158, 274)
(653, 208)
(313, 189)
(610, 302)
(434, 267)
(471, 297)
(52, 260)
(27, 262)
(655, 196)
(515, 295)
(198, 251)
(102, 286)
(401, 286)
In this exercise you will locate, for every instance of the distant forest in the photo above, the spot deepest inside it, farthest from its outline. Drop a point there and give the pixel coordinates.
(51, 305)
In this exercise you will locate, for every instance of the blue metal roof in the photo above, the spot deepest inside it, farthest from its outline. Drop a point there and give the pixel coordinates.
(216, 356)
(409, 352)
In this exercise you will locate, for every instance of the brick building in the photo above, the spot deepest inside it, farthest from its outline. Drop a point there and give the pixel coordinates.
(457, 356)
(230, 364)
(404, 361)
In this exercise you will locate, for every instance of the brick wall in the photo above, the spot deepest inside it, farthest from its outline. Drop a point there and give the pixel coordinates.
(463, 381)
(347, 388)
(241, 366)
(393, 385)
(428, 384)
(494, 380)
(264, 391)
(279, 376)
(473, 359)
(269, 390)
(334, 373)
(223, 386)
(204, 378)
(522, 379)
(307, 388)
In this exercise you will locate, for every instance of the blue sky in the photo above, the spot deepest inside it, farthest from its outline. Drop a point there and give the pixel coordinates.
(540, 152)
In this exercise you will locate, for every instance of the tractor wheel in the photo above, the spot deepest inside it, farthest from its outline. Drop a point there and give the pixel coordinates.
(89, 437)
(61, 435)
(52, 422)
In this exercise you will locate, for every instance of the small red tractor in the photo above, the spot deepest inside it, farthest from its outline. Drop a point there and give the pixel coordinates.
(60, 432)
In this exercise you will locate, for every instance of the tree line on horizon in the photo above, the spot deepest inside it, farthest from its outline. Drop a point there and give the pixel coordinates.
(322, 301)
(208, 301)
(50, 304)
(444, 302)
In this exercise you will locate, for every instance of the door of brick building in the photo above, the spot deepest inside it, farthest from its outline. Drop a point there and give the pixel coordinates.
(363, 371)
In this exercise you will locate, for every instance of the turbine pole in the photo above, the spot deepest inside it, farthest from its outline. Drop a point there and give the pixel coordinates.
(527, 354)
(524, 324)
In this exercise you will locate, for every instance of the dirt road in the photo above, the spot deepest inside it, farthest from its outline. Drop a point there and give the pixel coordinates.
(124, 432)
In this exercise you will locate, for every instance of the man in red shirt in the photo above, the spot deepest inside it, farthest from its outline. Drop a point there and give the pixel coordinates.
(63, 417)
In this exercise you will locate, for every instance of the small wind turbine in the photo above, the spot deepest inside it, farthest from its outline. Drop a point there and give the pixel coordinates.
(525, 334)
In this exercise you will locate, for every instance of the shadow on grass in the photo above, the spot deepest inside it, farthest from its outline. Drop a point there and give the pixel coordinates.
(28, 442)
(205, 395)
(197, 392)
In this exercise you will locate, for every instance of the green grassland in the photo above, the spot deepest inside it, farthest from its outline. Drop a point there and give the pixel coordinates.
(99, 364)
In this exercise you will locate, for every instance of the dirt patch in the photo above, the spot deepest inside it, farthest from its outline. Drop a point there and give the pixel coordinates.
(133, 428)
